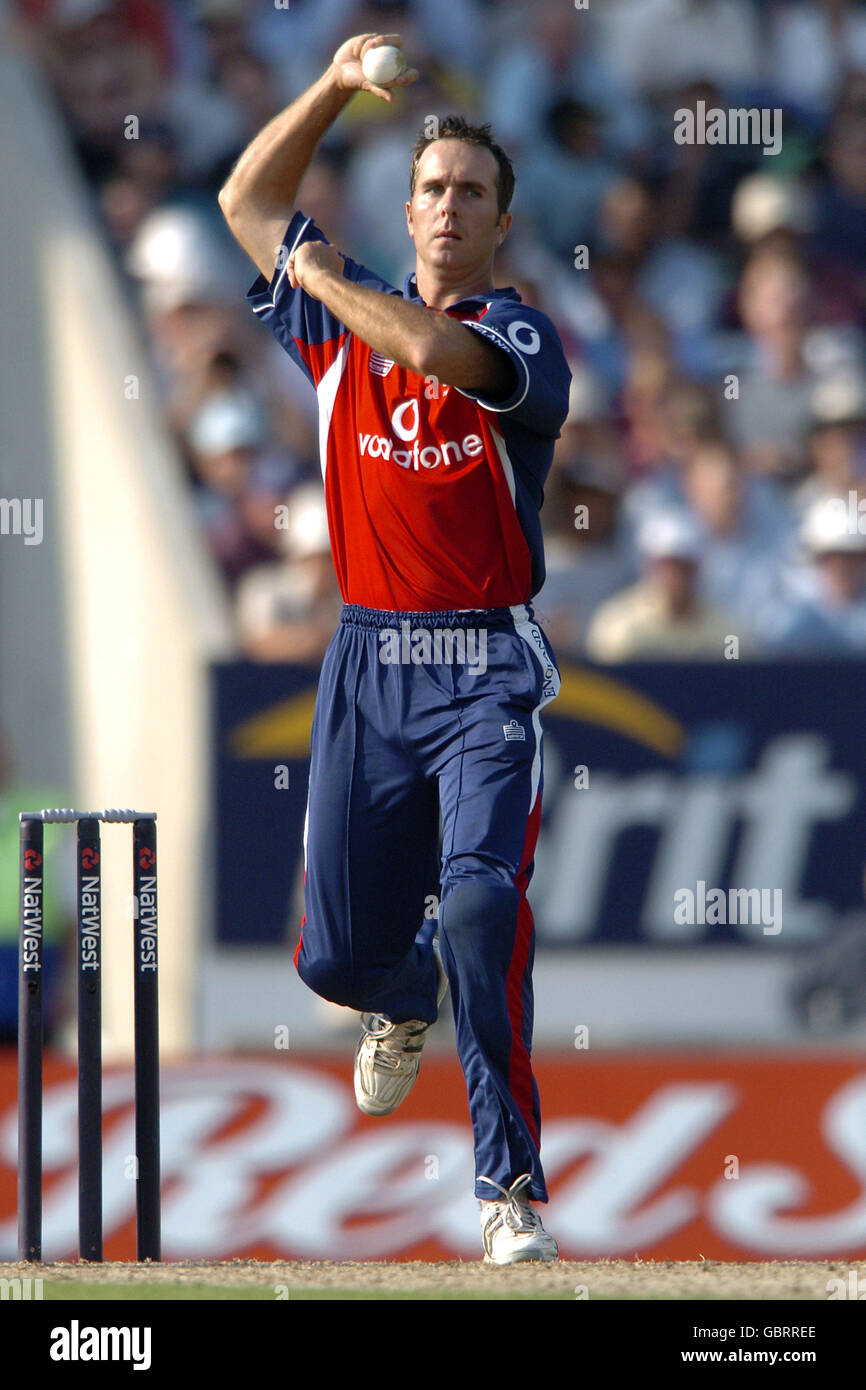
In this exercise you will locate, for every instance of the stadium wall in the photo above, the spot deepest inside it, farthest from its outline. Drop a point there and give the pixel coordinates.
(107, 624)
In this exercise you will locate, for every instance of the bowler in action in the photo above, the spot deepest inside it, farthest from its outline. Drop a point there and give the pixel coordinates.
(439, 406)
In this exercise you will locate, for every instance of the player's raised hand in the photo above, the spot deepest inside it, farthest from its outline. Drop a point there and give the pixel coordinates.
(311, 258)
(347, 60)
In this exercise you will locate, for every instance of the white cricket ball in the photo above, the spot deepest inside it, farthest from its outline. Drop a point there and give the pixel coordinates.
(383, 65)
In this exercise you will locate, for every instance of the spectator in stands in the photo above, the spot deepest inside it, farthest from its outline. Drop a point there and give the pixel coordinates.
(241, 481)
(553, 55)
(451, 32)
(819, 608)
(253, 90)
(663, 44)
(770, 417)
(663, 617)
(224, 27)
(189, 291)
(104, 59)
(178, 251)
(687, 417)
(650, 375)
(837, 443)
(746, 524)
(109, 59)
(810, 48)
(697, 180)
(561, 187)
(147, 174)
(840, 230)
(680, 281)
(585, 551)
(771, 212)
(288, 611)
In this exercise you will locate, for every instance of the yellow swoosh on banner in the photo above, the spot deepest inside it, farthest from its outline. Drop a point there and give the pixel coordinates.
(282, 731)
(592, 698)
(586, 696)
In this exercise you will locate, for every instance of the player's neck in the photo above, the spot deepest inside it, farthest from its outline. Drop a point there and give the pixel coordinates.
(441, 291)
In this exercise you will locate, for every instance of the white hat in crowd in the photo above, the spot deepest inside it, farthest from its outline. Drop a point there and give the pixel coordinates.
(228, 420)
(587, 399)
(307, 531)
(831, 527)
(176, 256)
(765, 203)
(670, 535)
(840, 396)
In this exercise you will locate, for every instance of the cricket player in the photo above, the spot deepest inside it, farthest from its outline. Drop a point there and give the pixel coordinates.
(439, 406)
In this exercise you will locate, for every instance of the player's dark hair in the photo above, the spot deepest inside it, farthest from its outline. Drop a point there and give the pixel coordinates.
(456, 128)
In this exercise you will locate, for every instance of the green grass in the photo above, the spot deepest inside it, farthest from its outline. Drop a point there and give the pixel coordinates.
(74, 1291)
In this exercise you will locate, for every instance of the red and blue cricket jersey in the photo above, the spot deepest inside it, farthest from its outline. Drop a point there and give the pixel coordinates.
(433, 498)
(433, 494)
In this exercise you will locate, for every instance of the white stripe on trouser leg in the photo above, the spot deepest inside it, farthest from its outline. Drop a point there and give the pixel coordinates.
(531, 634)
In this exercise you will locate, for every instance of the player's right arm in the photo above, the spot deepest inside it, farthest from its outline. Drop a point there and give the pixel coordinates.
(258, 198)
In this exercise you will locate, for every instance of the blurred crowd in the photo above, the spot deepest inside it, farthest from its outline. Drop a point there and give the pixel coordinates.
(711, 297)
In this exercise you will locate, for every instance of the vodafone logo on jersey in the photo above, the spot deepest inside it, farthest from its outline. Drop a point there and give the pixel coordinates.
(404, 448)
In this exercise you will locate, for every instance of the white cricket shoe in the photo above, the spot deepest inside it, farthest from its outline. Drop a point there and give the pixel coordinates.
(511, 1228)
(388, 1057)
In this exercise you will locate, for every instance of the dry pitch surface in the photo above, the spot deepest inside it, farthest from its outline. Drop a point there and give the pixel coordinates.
(566, 1279)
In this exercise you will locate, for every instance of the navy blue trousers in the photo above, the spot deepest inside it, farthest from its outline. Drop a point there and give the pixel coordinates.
(417, 715)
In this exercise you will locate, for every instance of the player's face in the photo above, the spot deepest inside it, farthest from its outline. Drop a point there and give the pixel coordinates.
(454, 216)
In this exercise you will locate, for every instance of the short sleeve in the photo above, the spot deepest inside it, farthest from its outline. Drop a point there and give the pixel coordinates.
(540, 398)
(308, 331)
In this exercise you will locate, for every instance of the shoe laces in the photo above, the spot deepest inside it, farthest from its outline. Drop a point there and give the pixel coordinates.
(391, 1039)
(514, 1210)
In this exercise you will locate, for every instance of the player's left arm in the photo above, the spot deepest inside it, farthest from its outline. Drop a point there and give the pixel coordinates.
(422, 341)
